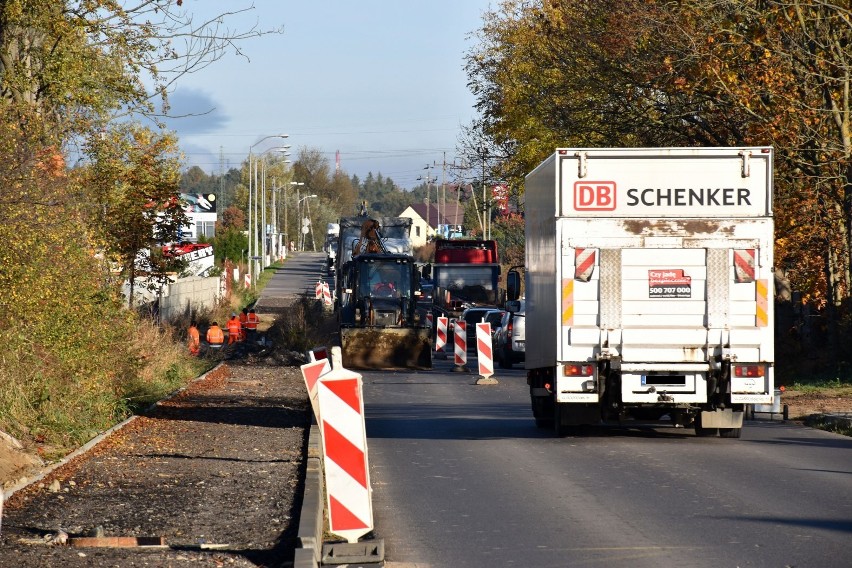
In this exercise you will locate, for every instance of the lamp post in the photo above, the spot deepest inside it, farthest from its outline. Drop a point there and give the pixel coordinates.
(252, 206)
(286, 234)
(302, 231)
(263, 233)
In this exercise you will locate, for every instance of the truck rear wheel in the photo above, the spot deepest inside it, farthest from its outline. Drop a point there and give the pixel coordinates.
(730, 432)
(702, 432)
(542, 408)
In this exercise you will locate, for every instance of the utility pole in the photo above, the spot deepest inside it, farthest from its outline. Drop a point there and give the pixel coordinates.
(221, 180)
(442, 199)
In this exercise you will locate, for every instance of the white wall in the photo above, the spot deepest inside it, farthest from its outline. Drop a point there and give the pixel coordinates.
(418, 224)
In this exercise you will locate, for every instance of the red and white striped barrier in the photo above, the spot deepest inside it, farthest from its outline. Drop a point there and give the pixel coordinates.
(441, 336)
(744, 265)
(344, 441)
(584, 263)
(247, 281)
(311, 372)
(326, 294)
(484, 350)
(430, 320)
(460, 341)
(318, 290)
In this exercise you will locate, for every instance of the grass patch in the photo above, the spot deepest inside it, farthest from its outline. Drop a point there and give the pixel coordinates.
(830, 424)
(840, 386)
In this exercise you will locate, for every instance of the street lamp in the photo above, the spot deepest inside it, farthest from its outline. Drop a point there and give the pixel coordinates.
(252, 206)
(298, 184)
(306, 227)
(283, 149)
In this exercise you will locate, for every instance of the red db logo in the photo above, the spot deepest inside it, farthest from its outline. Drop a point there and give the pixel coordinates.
(594, 196)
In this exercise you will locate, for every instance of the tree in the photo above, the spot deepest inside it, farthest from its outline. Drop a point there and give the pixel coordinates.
(133, 182)
(82, 62)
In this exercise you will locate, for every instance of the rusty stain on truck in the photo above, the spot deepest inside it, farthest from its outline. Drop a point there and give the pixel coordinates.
(662, 227)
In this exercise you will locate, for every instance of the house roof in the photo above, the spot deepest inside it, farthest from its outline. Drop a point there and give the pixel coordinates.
(451, 213)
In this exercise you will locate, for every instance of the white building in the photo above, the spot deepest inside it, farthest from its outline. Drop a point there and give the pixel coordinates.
(201, 210)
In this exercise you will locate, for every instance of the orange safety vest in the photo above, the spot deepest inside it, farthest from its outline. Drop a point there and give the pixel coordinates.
(234, 329)
(215, 336)
(194, 340)
(251, 321)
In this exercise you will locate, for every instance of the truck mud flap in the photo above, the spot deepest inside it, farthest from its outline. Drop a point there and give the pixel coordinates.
(386, 348)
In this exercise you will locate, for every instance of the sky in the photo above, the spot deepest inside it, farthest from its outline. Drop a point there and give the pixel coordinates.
(380, 81)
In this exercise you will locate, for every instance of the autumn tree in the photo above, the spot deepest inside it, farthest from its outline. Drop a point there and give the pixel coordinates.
(132, 184)
(704, 73)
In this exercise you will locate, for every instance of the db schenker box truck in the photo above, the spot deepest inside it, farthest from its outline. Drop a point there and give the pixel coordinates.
(649, 286)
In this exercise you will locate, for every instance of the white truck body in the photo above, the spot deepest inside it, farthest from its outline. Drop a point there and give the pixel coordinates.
(652, 266)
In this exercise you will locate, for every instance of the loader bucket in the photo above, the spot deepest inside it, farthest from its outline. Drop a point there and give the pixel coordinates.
(386, 348)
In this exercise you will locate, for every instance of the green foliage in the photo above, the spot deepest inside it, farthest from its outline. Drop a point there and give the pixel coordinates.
(508, 231)
(230, 244)
(384, 198)
(72, 358)
(817, 384)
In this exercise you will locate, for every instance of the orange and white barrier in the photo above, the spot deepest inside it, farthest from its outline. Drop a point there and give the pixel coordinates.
(484, 350)
(460, 342)
(318, 290)
(326, 294)
(430, 320)
(584, 263)
(441, 335)
(247, 281)
(311, 372)
(744, 265)
(344, 441)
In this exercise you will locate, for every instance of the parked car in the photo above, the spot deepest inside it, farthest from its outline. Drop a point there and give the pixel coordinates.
(473, 316)
(510, 340)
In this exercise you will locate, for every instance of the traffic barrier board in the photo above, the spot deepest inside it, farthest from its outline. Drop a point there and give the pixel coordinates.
(344, 439)
(460, 342)
(312, 372)
(484, 351)
(441, 336)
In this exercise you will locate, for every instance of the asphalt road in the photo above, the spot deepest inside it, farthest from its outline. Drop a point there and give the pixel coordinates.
(302, 270)
(462, 477)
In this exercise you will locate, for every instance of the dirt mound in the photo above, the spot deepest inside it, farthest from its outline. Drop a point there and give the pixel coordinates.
(16, 463)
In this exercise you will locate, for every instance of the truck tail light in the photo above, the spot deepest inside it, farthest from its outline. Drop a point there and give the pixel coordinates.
(578, 370)
(749, 370)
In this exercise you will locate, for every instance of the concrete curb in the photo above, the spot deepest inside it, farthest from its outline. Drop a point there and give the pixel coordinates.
(311, 521)
(92, 443)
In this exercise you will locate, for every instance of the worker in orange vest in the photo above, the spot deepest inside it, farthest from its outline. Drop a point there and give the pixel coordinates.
(194, 339)
(234, 329)
(243, 320)
(251, 324)
(215, 336)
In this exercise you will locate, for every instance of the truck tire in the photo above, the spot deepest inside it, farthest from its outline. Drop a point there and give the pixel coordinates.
(704, 432)
(730, 432)
(560, 428)
(542, 412)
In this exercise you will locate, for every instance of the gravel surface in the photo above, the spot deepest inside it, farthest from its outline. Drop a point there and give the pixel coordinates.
(216, 472)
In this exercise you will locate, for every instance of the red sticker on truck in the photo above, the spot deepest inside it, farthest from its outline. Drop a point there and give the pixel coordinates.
(669, 283)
